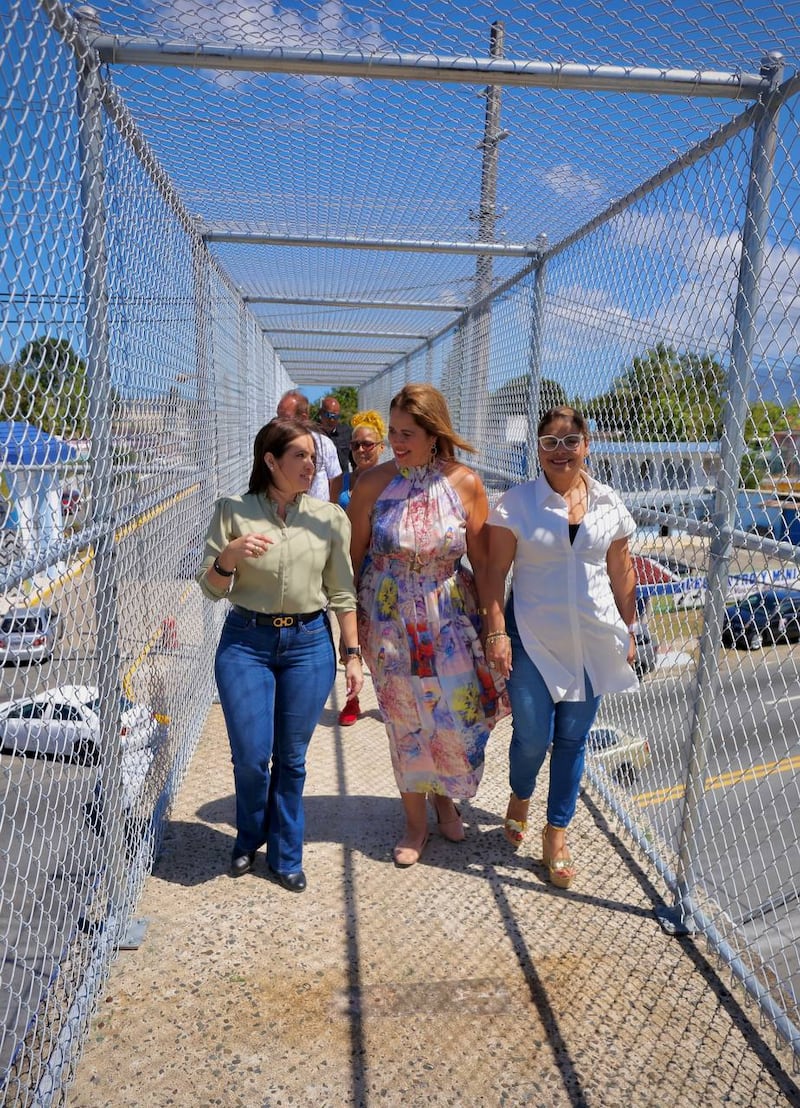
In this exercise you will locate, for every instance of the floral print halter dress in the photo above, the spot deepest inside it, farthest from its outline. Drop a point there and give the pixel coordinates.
(418, 627)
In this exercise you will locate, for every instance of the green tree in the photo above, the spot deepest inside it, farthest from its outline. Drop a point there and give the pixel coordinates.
(46, 387)
(513, 399)
(765, 419)
(663, 396)
(347, 395)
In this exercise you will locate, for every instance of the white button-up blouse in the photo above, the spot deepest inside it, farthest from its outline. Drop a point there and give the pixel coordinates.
(563, 604)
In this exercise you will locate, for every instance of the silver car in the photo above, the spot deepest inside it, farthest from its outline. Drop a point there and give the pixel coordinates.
(28, 634)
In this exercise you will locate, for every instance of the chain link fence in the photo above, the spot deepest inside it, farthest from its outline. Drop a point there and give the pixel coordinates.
(701, 764)
(133, 381)
(141, 352)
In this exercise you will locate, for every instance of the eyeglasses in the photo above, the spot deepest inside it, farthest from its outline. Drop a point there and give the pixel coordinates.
(329, 415)
(362, 444)
(549, 443)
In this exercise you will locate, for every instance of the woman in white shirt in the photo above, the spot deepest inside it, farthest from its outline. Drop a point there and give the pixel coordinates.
(563, 638)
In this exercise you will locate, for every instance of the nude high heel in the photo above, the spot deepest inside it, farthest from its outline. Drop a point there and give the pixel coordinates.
(408, 854)
(561, 871)
(451, 829)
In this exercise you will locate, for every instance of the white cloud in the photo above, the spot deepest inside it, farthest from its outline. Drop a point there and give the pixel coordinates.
(573, 183)
(253, 23)
(591, 333)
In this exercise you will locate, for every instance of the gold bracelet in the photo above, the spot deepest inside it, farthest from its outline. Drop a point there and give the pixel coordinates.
(496, 635)
(483, 611)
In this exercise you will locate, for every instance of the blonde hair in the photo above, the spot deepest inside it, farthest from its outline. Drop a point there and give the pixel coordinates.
(372, 420)
(428, 408)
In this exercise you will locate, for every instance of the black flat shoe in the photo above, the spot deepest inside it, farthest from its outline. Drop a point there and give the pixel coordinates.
(242, 863)
(294, 882)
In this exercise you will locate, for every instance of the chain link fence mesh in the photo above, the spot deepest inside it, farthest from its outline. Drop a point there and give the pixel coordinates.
(139, 357)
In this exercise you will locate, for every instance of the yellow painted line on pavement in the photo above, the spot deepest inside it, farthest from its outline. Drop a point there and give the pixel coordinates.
(86, 557)
(151, 513)
(721, 781)
(149, 646)
(42, 592)
(127, 677)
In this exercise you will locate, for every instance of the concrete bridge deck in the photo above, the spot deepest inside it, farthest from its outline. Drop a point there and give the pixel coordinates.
(466, 980)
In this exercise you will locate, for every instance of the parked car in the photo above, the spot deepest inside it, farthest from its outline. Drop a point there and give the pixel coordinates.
(762, 618)
(28, 634)
(622, 755)
(674, 565)
(65, 721)
(645, 659)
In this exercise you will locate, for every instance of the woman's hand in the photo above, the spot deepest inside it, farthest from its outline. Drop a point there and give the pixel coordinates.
(246, 546)
(498, 652)
(354, 675)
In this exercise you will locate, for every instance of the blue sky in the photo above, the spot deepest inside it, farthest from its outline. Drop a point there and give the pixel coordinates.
(355, 157)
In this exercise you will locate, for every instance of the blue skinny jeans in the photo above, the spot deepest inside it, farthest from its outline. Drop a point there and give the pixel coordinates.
(273, 684)
(538, 722)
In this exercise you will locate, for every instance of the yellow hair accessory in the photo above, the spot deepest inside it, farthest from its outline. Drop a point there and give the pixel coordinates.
(372, 420)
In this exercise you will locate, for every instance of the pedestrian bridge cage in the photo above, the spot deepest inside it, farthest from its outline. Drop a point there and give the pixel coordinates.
(206, 205)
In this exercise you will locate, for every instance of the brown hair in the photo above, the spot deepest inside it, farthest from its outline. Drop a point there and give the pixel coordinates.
(563, 411)
(274, 438)
(428, 408)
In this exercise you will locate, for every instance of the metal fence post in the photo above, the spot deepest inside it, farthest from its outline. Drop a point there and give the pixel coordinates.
(96, 293)
(206, 460)
(685, 915)
(535, 363)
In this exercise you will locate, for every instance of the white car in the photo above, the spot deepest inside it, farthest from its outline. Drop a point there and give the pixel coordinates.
(65, 721)
(28, 634)
(621, 754)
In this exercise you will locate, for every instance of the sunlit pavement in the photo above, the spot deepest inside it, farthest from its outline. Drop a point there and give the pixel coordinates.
(465, 980)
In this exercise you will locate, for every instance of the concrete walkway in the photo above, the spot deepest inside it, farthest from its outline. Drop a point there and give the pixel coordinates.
(466, 980)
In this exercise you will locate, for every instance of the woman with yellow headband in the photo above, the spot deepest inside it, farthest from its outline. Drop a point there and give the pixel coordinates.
(366, 447)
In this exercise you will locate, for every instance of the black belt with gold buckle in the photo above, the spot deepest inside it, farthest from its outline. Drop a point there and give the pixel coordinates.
(266, 619)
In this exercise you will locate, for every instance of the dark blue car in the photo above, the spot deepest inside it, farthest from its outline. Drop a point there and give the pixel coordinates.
(762, 618)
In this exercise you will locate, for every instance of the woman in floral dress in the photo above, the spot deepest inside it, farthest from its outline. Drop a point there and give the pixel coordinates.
(412, 520)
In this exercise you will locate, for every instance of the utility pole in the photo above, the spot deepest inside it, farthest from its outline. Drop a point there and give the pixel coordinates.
(480, 321)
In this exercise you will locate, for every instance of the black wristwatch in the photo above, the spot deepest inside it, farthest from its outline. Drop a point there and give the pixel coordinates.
(353, 651)
(222, 572)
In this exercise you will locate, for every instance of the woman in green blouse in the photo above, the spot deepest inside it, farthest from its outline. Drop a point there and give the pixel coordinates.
(282, 559)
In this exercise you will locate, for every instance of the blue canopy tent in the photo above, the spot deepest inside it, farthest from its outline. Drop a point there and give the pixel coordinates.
(30, 463)
(22, 444)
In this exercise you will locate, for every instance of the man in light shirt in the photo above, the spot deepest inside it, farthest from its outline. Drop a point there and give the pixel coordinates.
(294, 405)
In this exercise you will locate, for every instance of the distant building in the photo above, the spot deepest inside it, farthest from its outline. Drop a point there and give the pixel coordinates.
(783, 463)
(656, 473)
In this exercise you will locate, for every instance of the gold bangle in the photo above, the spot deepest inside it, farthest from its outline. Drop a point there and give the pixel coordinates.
(496, 635)
(483, 611)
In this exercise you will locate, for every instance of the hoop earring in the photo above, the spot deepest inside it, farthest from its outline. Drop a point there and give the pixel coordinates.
(434, 450)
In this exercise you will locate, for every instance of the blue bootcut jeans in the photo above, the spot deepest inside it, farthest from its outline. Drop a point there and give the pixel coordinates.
(273, 684)
(538, 722)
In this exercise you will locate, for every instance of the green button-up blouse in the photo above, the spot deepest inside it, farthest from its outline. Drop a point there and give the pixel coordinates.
(306, 567)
